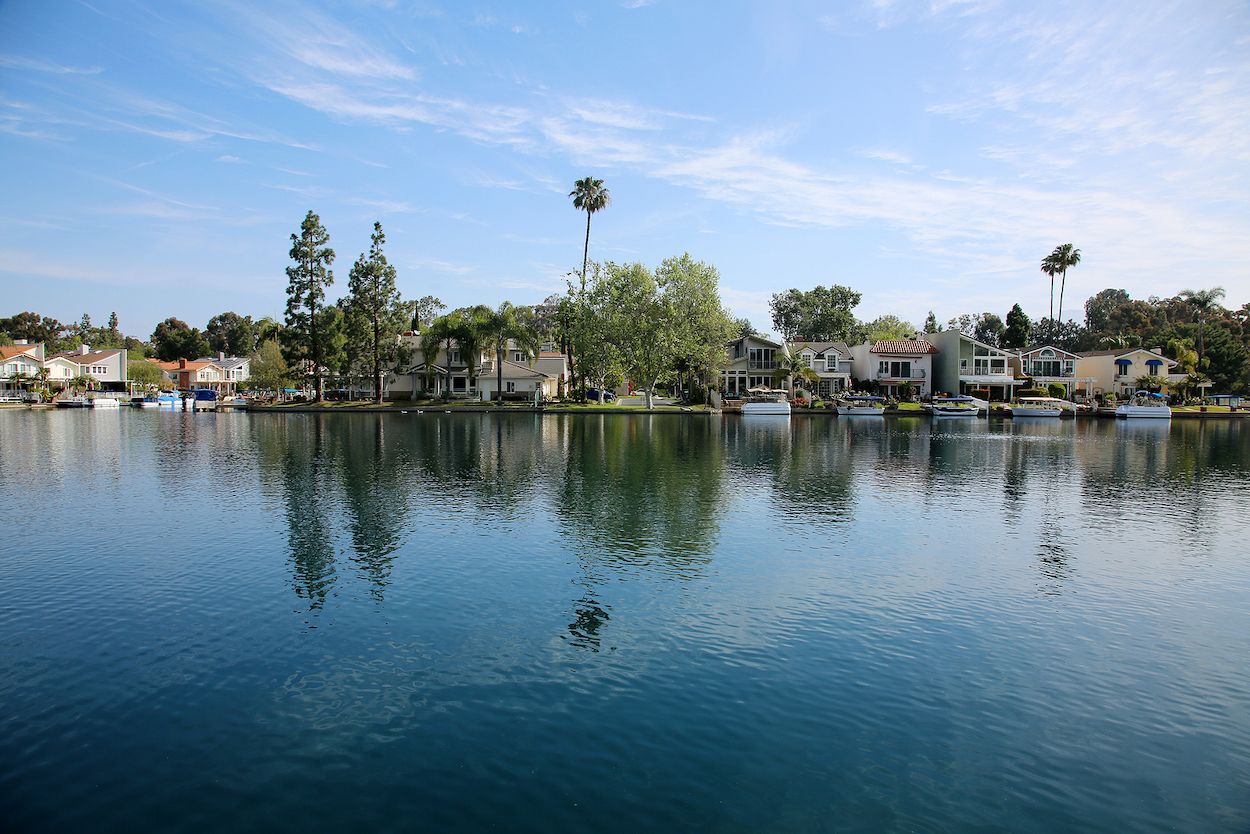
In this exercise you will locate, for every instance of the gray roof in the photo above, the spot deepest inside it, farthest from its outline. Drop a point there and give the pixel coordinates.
(820, 347)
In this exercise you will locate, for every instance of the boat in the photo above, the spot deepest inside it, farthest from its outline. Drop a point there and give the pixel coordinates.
(1145, 404)
(78, 401)
(149, 401)
(104, 402)
(953, 407)
(861, 406)
(205, 399)
(762, 401)
(1038, 407)
(170, 399)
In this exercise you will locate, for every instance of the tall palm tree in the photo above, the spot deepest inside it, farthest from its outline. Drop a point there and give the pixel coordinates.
(500, 326)
(1065, 256)
(589, 195)
(1203, 302)
(432, 338)
(791, 365)
(1048, 269)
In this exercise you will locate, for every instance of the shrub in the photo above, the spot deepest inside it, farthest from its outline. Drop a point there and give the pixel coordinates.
(1033, 392)
(800, 402)
(1057, 390)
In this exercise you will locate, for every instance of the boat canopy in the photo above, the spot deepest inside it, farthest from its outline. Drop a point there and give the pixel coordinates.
(1148, 394)
(954, 399)
(1041, 400)
(864, 398)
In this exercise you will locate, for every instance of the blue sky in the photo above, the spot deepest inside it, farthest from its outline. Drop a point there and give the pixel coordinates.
(157, 156)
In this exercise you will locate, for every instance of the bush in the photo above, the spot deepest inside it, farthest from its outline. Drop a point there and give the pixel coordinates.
(1057, 390)
(1033, 392)
(800, 402)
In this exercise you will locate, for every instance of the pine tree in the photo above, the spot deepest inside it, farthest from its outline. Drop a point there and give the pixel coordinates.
(375, 308)
(1017, 333)
(306, 291)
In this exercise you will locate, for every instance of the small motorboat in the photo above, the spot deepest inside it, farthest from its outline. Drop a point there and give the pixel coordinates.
(105, 402)
(953, 407)
(1145, 404)
(205, 399)
(1038, 407)
(149, 401)
(861, 405)
(78, 401)
(766, 401)
(169, 399)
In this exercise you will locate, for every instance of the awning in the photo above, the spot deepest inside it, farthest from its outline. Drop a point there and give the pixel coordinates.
(1154, 361)
(1124, 361)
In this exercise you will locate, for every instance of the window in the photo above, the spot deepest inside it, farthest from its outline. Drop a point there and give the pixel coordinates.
(458, 383)
(761, 358)
(518, 356)
(453, 356)
(511, 386)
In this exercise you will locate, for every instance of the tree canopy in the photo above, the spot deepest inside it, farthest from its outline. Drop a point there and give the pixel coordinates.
(822, 314)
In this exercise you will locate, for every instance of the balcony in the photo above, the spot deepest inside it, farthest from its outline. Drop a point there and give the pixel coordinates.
(761, 365)
(915, 374)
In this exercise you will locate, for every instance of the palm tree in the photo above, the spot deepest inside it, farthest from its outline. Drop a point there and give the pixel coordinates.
(589, 195)
(791, 365)
(499, 327)
(432, 338)
(1064, 256)
(1049, 269)
(1203, 302)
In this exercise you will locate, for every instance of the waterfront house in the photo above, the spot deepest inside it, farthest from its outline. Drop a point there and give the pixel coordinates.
(60, 372)
(449, 368)
(965, 364)
(233, 370)
(1047, 364)
(198, 373)
(895, 363)
(750, 362)
(20, 364)
(1117, 371)
(107, 368)
(830, 361)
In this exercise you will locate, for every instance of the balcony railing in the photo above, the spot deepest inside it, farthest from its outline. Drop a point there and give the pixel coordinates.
(915, 374)
(761, 365)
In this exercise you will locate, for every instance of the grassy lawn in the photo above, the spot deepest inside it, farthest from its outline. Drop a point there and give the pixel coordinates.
(1210, 409)
(910, 407)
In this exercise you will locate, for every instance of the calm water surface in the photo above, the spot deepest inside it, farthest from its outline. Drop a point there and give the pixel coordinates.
(526, 623)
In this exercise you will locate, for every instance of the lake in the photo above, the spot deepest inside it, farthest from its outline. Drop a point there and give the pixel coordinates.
(622, 623)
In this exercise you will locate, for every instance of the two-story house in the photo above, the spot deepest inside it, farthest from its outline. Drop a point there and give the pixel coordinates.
(199, 373)
(964, 364)
(750, 362)
(1117, 371)
(233, 370)
(20, 364)
(107, 368)
(450, 369)
(894, 363)
(1047, 364)
(830, 361)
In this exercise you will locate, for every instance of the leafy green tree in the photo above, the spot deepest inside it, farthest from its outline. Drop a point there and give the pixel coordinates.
(145, 373)
(1016, 334)
(931, 324)
(743, 328)
(504, 325)
(174, 339)
(425, 309)
(1064, 257)
(591, 196)
(1100, 307)
(267, 329)
(33, 328)
(231, 334)
(638, 322)
(701, 327)
(989, 329)
(269, 370)
(305, 293)
(376, 308)
(822, 314)
(887, 327)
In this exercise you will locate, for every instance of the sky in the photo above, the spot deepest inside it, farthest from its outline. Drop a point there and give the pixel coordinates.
(156, 157)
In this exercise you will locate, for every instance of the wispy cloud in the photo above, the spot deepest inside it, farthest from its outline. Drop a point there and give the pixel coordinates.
(35, 65)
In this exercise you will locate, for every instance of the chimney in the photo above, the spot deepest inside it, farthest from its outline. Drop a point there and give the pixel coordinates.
(221, 354)
(83, 350)
(182, 364)
(20, 342)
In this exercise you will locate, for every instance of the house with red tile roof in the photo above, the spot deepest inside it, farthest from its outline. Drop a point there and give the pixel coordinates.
(895, 363)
